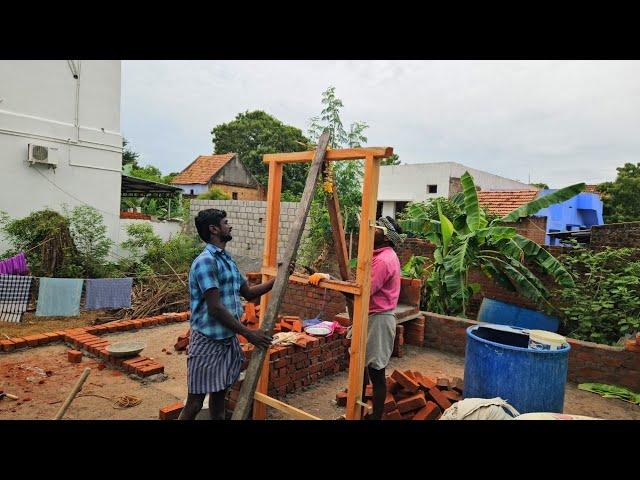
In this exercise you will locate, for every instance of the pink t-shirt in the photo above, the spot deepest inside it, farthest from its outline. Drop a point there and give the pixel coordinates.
(385, 280)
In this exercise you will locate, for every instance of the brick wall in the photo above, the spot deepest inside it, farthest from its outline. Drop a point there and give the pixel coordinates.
(588, 362)
(306, 302)
(616, 235)
(533, 228)
(248, 221)
(294, 367)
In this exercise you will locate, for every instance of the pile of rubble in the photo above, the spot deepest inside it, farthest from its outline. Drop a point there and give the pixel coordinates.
(413, 396)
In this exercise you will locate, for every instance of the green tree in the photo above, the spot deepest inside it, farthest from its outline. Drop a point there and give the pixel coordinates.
(215, 193)
(345, 176)
(129, 157)
(541, 186)
(621, 198)
(254, 133)
(89, 234)
(469, 240)
(392, 160)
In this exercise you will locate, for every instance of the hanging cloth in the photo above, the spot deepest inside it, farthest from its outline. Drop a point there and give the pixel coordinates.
(16, 265)
(59, 297)
(14, 296)
(108, 293)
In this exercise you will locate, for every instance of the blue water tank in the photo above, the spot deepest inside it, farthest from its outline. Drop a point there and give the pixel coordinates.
(502, 313)
(530, 380)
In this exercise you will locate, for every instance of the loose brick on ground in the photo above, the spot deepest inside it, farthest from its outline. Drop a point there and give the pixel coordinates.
(405, 381)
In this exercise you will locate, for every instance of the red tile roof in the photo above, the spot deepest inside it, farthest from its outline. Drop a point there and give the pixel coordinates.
(202, 169)
(502, 202)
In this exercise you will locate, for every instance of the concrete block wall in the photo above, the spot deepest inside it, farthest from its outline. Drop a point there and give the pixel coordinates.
(248, 219)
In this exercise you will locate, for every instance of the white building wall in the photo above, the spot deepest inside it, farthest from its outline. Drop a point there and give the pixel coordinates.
(197, 188)
(42, 103)
(165, 230)
(408, 183)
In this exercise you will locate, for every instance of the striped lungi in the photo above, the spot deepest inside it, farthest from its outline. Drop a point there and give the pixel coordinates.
(212, 365)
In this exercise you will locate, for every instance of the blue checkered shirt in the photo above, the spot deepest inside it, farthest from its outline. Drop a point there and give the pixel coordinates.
(214, 268)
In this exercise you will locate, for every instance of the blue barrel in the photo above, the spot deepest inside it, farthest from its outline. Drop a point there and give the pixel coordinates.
(530, 380)
(502, 313)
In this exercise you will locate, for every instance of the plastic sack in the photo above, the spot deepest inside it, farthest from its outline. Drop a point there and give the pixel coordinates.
(480, 409)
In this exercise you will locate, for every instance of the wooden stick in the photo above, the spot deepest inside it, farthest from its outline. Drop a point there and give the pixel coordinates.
(283, 407)
(174, 272)
(247, 391)
(73, 393)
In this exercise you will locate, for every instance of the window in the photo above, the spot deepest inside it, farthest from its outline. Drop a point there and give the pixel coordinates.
(191, 192)
(234, 195)
(432, 188)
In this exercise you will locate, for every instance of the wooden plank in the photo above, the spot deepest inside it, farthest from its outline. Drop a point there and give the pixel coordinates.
(269, 259)
(339, 240)
(283, 407)
(363, 277)
(247, 391)
(331, 155)
(337, 285)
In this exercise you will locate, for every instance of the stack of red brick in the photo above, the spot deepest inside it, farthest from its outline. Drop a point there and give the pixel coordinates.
(633, 345)
(411, 333)
(135, 216)
(413, 396)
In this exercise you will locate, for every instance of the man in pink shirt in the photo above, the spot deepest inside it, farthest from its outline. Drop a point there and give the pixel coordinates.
(385, 291)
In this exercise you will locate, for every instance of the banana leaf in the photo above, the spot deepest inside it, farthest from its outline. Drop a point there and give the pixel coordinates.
(611, 391)
(536, 205)
(446, 228)
(548, 262)
(476, 218)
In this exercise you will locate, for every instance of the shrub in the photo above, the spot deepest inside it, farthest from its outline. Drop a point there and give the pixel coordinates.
(215, 193)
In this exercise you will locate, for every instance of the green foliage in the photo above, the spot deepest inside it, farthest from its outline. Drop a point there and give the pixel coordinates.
(621, 198)
(216, 193)
(604, 302)
(253, 134)
(392, 160)
(89, 235)
(611, 391)
(471, 240)
(541, 186)
(151, 256)
(73, 244)
(129, 157)
(287, 196)
(345, 176)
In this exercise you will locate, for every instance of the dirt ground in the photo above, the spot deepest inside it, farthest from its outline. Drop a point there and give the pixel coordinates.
(32, 325)
(43, 391)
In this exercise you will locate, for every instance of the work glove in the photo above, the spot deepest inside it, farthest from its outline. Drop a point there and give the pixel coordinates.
(317, 277)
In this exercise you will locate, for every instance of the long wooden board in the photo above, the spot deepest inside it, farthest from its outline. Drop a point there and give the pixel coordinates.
(247, 391)
(331, 155)
(283, 407)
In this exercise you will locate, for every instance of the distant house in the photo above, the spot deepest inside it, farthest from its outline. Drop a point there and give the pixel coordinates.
(418, 182)
(224, 171)
(578, 213)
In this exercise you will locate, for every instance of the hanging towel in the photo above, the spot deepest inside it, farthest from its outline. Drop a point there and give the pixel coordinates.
(59, 297)
(16, 265)
(108, 293)
(14, 296)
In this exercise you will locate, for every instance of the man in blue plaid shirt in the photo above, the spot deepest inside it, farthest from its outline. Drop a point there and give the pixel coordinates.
(215, 286)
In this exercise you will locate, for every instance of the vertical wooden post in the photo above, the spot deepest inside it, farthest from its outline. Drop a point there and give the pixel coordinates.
(269, 259)
(363, 277)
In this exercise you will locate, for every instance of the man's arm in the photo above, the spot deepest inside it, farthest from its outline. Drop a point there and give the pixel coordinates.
(259, 338)
(256, 291)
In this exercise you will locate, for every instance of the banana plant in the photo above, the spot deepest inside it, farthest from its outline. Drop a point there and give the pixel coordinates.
(470, 240)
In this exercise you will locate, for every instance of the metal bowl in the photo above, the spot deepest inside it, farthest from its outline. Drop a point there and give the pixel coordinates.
(126, 349)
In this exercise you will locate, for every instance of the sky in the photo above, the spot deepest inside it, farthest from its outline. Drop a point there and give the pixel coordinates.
(556, 122)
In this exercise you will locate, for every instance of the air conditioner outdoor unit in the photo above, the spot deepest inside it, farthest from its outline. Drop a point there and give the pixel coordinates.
(43, 155)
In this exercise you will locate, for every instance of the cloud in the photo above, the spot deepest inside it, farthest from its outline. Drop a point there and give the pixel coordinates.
(560, 122)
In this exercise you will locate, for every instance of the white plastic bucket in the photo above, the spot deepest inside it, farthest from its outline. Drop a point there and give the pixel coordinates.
(543, 340)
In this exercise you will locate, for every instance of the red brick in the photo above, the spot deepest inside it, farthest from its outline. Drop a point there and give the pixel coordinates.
(74, 356)
(7, 345)
(452, 396)
(389, 403)
(32, 340)
(457, 384)
(425, 382)
(442, 383)
(171, 412)
(414, 402)
(438, 397)
(632, 346)
(428, 412)
(404, 380)
(392, 415)
(150, 370)
(392, 385)
(341, 399)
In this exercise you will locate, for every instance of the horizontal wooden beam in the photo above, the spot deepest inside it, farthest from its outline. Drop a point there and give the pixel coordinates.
(331, 155)
(283, 407)
(337, 285)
